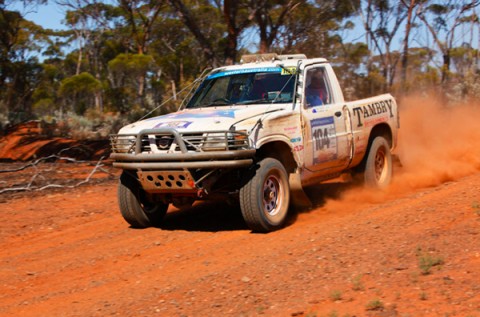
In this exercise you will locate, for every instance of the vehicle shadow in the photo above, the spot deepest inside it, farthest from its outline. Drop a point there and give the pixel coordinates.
(319, 194)
(216, 216)
(209, 216)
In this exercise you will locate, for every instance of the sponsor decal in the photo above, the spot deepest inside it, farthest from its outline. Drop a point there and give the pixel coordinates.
(377, 108)
(294, 140)
(292, 70)
(246, 71)
(298, 148)
(290, 129)
(203, 113)
(324, 140)
(173, 124)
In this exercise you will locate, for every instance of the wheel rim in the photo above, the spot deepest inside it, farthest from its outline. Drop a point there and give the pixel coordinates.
(272, 195)
(380, 165)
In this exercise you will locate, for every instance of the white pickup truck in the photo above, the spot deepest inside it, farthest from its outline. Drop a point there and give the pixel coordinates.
(257, 132)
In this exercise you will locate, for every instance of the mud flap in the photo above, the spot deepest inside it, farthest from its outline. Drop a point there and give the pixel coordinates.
(396, 161)
(397, 164)
(298, 197)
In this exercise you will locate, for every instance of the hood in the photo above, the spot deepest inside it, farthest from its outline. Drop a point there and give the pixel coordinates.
(202, 119)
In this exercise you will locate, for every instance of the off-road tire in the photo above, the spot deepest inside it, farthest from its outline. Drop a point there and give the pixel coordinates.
(378, 166)
(135, 206)
(265, 198)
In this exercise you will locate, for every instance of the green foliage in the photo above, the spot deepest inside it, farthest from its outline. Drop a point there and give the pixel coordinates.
(357, 284)
(132, 64)
(438, 9)
(335, 295)
(80, 90)
(128, 57)
(83, 83)
(92, 125)
(44, 106)
(375, 304)
(426, 261)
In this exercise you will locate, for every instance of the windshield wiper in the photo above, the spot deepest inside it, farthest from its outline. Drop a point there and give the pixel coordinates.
(216, 102)
(249, 102)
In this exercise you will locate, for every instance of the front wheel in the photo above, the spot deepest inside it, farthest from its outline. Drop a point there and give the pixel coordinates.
(378, 166)
(265, 198)
(136, 206)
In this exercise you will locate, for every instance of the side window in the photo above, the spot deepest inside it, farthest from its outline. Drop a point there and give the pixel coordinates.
(317, 90)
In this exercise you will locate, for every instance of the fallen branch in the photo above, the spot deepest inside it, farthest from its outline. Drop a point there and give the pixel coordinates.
(31, 187)
(86, 180)
(37, 161)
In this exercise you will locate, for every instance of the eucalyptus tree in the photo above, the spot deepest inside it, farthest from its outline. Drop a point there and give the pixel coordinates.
(270, 17)
(442, 19)
(20, 39)
(79, 90)
(316, 28)
(194, 18)
(410, 6)
(382, 21)
(212, 21)
(238, 16)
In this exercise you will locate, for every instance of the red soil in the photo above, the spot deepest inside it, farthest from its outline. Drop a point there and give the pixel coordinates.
(357, 253)
(30, 140)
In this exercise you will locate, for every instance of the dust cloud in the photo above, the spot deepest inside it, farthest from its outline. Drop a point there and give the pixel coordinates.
(436, 144)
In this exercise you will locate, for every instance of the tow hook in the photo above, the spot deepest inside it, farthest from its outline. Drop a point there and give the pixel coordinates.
(202, 192)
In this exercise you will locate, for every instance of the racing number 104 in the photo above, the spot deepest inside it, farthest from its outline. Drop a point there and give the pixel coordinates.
(321, 139)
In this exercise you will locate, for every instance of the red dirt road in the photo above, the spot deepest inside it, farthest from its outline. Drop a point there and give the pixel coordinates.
(71, 254)
(413, 250)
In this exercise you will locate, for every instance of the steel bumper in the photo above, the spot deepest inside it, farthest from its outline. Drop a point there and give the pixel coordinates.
(214, 159)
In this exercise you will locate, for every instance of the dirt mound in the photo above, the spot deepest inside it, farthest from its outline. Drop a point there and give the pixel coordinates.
(30, 140)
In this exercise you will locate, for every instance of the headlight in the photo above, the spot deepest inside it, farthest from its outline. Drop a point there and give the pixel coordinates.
(223, 141)
(238, 140)
(215, 142)
(122, 143)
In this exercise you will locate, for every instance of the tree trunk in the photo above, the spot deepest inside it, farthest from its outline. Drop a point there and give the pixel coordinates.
(262, 25)
(99, 101)
(229, 10)
(79, 61)
(141, 89)
(406, 45)
(446, 66)
(182, 75)
(187, 18)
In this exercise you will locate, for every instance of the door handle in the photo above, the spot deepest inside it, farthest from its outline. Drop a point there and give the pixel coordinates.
(338, 114)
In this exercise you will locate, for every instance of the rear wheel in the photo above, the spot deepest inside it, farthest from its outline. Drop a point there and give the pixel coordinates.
(136, 206)
(378, 166)
(264, 199)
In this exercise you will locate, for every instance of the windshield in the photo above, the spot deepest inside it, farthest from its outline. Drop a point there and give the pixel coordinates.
(245, 86)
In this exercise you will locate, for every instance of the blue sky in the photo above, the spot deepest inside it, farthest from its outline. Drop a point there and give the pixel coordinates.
(48, 16)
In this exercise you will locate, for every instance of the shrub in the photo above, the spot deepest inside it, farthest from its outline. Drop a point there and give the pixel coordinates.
(375, 304)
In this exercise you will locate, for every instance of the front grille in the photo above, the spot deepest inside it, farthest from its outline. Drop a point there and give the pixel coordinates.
(163, 142)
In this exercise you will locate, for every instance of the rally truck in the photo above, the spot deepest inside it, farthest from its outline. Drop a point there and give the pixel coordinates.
(256, 134)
